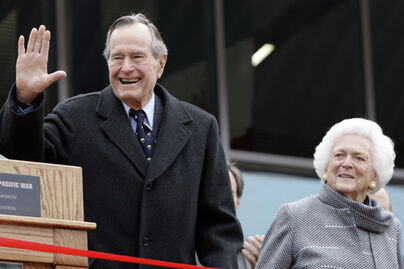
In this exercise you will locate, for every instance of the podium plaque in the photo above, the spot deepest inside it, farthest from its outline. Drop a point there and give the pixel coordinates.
(20, 195)
(61, 220)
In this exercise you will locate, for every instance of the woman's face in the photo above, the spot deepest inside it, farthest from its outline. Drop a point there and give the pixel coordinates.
(350, 167)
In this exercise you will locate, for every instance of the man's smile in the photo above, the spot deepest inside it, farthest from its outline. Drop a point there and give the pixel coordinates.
(129, 80)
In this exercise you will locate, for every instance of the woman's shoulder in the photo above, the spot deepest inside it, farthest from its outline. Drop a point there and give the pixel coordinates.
(395, 224)
(303, 204)
(299, 210)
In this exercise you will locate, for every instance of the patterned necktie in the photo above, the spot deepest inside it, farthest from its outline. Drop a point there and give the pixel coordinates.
(143, 133)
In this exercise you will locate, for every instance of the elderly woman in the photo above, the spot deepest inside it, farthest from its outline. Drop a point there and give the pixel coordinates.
(340, 227)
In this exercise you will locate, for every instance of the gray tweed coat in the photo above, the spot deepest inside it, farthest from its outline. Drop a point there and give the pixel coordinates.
(328, 230)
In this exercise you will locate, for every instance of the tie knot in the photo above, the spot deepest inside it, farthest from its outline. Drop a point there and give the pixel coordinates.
(138, 115)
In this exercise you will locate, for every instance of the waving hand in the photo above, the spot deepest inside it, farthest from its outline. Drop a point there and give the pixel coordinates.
(32, 76)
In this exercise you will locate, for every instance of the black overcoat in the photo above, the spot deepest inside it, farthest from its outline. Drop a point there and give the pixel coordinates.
(179, 204)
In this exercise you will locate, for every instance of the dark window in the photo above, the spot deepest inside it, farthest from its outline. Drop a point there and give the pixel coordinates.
(388, 69)
(310, 81)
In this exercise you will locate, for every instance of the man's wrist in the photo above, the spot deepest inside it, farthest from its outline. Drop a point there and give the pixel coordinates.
(23, 105)
(23, 108)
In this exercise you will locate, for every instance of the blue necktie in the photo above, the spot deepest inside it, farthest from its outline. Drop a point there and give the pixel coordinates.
(143, 133)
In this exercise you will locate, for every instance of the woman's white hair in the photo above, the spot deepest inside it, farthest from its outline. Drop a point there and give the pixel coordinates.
(382, 152)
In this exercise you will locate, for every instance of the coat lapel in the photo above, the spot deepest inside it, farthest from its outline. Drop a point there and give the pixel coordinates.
(116, 126)
(173, 134)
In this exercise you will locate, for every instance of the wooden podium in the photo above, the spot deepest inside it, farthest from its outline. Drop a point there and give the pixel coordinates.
(61, 222)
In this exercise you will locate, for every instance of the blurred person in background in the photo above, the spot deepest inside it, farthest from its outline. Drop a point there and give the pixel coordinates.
(252, 245)
(383, 197)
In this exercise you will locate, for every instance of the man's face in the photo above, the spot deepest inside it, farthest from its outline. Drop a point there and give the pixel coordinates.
(133, 70)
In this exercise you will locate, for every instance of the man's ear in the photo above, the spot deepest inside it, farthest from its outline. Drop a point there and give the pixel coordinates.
(162, 64)
(238, 203)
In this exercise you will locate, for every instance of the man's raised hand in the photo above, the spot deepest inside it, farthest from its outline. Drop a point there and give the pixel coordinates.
(32, 76)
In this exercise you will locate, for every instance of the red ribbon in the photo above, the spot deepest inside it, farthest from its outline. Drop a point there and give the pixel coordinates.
(21, 244)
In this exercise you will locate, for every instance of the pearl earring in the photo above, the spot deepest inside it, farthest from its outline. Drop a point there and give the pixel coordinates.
(372, 185)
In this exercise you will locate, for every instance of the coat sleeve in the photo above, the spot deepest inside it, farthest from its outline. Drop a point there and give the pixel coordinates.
(218, 233)
(33, 137)
(21, 136)
(277, 247)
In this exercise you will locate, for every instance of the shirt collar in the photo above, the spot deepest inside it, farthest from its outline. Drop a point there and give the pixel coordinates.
(148, 109)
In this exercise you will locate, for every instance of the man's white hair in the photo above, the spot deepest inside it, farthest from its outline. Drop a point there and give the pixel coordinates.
(382, 151)
(158, 46)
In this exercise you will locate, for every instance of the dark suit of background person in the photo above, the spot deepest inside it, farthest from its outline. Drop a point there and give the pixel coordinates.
(167, 209)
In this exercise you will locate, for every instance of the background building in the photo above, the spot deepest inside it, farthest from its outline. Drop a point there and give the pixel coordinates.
(326, 60)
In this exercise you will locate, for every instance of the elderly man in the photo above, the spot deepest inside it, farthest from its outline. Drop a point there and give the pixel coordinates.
(154, 172)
